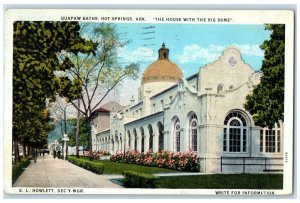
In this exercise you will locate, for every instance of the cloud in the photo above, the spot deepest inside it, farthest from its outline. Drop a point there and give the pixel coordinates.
(247, 49)
(195, 52)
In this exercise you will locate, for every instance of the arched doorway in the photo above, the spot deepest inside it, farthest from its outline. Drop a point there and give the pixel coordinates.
(150, 130)
(129, 140)
(135, 139)
(160, 128)
(142, 139)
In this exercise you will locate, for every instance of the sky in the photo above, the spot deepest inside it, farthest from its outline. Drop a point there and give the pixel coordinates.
(191, 46)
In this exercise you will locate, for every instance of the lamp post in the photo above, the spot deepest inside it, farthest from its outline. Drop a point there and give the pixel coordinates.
(65, 139)
(65, 136)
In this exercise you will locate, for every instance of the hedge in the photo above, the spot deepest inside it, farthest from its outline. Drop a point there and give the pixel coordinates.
(20, 167)
(89, 165)
(139, 180)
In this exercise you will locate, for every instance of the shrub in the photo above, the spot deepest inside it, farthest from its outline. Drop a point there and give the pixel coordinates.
(173, 160)
(89, 165)
(19, 168)
(139, 180)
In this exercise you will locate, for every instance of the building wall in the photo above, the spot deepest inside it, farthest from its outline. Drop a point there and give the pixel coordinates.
(219, 89)
(101, 121)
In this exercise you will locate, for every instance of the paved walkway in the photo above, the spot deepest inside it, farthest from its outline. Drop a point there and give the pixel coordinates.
(50, 172)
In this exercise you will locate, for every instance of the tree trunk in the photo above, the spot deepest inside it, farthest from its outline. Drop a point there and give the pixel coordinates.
(77, 130)
(24, 151)
(29, 151)
(90, 137)
(16, 150)
(62, 135)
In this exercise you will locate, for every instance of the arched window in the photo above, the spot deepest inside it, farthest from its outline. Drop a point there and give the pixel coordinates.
(129, 139)
(220, 88)
(177, 135)
(193, 132)
(135, 139)
(160, 136)
(142, 139)
(150, 137)
(235, 133)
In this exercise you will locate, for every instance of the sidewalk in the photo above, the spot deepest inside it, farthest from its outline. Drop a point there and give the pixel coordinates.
(50, 172)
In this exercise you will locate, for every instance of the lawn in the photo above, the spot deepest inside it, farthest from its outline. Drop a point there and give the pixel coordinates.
(117, 168)
(223, 181)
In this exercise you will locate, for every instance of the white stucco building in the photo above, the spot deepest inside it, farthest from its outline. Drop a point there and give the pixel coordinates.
(204, 113)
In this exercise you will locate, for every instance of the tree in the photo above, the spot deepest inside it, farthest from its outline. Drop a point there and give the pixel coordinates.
(96, 75)
(36, 46)
(83, 133)
(266, 102)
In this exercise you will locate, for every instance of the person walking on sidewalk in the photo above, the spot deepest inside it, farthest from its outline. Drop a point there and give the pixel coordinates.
(35, 153)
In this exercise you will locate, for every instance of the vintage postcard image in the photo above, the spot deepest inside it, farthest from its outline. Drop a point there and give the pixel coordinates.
(148, 102)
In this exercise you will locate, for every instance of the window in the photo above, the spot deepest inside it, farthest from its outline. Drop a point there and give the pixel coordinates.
(270, 139)
(220, 88)
(235, 133)
(162, 104)
(193, 132)
(177, 135)
(153, 108)
(231, 87)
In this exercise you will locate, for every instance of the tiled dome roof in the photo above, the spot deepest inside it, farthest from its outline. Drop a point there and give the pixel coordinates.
(162, 69)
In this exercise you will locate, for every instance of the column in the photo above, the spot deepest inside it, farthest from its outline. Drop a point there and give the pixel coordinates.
(166, 141)
(139, 141)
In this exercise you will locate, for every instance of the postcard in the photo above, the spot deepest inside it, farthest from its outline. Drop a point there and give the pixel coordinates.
(196, 102)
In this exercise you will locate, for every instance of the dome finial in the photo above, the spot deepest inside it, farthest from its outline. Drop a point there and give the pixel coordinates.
(163, 45)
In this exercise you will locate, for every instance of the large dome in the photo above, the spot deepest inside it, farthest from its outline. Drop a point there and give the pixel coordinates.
(163, 69)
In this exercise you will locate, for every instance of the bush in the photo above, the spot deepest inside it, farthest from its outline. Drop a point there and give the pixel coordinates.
(139, 180)
(186, 161)
(89, 165)
(19, 168)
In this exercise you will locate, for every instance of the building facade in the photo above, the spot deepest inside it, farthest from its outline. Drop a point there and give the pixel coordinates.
(204, 113)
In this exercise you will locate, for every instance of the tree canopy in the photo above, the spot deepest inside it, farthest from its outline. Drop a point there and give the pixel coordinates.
(36, 47)
(95, 75)
(266, 102)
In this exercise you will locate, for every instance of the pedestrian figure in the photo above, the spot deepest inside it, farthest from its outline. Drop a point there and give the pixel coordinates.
(54, 154)
(35, 153)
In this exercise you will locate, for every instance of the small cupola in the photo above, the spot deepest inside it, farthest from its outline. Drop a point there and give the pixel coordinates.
(163, 52)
